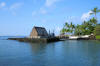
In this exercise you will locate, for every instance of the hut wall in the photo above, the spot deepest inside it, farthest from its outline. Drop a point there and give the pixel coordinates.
(38, 32)
(34, 33)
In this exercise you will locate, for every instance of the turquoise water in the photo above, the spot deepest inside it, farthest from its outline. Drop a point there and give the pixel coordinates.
(63, 53)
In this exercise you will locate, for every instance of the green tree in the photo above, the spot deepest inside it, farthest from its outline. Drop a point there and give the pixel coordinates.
(95, 11)
(77, 30)
(93, 21)
(72, 27)
(86, 28)
(97, 30)
(68, 28)
(63, 31)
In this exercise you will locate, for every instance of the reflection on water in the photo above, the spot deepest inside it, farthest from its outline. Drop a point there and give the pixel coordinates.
(64, 53)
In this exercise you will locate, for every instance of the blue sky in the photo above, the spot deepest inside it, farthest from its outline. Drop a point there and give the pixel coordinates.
(17, 17)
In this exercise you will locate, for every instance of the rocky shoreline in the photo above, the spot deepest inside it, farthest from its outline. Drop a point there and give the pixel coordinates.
(36, 40)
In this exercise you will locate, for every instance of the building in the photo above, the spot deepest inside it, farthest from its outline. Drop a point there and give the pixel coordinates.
(38, 32)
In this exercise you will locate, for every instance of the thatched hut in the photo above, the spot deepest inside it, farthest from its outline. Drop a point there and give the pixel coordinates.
(38, 32)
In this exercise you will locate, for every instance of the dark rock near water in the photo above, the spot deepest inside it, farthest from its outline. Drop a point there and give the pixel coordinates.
(35, 40)
(92, 37)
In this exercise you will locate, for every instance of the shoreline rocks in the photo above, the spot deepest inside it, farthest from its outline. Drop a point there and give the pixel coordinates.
(36, 40)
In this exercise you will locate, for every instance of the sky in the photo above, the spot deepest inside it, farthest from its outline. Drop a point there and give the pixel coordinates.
(18, 17)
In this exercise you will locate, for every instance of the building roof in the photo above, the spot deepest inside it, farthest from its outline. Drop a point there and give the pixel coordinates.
(38, 27)
(40, 30)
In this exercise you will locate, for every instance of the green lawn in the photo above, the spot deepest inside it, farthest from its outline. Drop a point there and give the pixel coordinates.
(98, 37)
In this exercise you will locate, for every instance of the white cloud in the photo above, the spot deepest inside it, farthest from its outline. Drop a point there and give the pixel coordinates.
(41, 11)
(2, 4)
(49, 3)
(11, 8)
(86, 16)
(15, 7)
(44, 9)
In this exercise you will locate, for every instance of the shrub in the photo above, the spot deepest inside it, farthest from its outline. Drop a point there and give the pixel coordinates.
(97, 30)
(98, 37)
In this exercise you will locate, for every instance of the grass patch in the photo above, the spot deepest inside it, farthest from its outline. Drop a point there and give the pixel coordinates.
(98, 37)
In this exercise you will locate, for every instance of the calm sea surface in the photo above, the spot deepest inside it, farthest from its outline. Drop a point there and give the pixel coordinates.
(63, 53)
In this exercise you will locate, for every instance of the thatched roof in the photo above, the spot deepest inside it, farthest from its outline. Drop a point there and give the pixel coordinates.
(39, 31)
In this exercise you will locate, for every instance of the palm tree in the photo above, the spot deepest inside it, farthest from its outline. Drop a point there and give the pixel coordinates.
(68, 28)
(95, 11)
(93, 21)
(66, 25)
(63, 31)
(72, 26)
(78, 29)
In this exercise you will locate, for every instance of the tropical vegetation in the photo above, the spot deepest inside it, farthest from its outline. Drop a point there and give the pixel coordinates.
(86, 28)
(97, 31)
(98, 37)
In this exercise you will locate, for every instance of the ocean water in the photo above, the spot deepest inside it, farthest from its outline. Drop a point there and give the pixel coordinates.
(62, 53)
